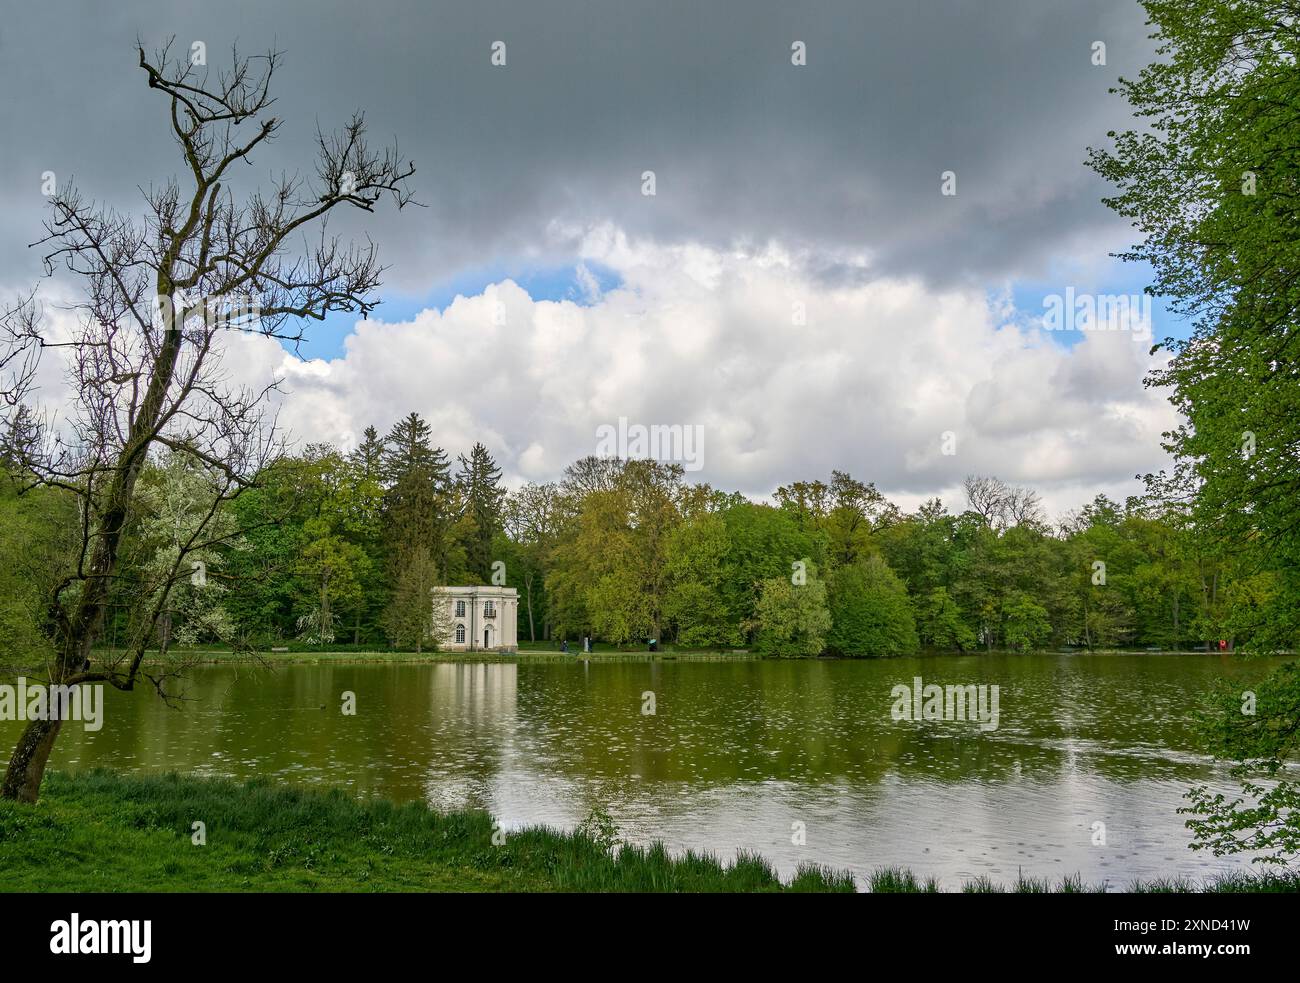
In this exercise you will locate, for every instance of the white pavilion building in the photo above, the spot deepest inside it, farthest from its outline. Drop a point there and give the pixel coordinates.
(482, 619)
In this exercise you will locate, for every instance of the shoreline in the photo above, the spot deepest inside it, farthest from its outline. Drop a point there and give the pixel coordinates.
(186, 833)
(539, 656)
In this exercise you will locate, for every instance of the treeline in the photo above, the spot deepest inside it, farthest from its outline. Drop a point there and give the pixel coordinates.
(333, 548)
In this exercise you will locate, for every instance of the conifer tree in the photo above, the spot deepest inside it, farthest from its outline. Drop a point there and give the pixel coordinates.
(482, 498)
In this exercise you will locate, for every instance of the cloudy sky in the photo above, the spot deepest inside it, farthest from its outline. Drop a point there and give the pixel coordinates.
(798, 286)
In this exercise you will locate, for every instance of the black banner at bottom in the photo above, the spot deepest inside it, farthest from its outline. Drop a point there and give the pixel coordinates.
(146, 933)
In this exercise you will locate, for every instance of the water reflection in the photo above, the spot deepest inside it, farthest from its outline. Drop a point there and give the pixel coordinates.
(735, 754)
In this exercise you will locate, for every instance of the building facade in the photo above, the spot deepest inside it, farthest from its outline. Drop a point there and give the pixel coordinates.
(480, 619)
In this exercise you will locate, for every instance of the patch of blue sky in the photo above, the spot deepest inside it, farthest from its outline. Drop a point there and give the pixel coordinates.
(1115, 279)
(570, 282)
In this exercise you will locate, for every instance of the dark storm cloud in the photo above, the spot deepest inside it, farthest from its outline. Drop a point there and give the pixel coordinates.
(840, 159)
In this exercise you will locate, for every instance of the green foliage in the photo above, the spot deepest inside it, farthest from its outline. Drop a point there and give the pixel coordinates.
(416, 616)
(281, 838)
(36, 547)
(845, 513)
(610, 567)
(481, 498)
(940, 623)
(695, 564)
(1256, 729)
(1210, 182)
(319, 550)
(870, 611)
(600, 828)
(1027, 624)
(762, 543)
(791, 619)
(173, 501)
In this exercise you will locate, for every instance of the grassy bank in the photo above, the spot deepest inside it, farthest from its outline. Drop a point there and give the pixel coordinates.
(305, 656)
(536, 652)
(101, 831)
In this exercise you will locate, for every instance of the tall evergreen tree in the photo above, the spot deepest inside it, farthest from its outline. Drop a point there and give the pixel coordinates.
(482, 499)
(409, 447)
(419, 501)
(368, 458)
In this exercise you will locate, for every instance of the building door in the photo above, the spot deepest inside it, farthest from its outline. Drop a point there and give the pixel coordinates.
(487, 638)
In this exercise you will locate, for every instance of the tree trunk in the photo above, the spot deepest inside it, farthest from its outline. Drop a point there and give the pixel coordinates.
(85, 624)
(326, 616)
(165, 631)
(27, 766)
(1177, 638)
(1087, 632)
(528, 586)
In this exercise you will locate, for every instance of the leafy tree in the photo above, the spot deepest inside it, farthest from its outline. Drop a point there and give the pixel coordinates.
(697, 551)
(941, 624)
(1211, 186)
(532, 518)
(36, 544)
(870, 611)
(610, 572)
(417, 616)
(1255, 729)
(174, 498)
(1210, 183)
(846, 512)
(1027, 626)
(791, 619)
(763, 543)
(332, 569)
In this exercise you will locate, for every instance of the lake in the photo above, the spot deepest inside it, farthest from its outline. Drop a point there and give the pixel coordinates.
(754, 755)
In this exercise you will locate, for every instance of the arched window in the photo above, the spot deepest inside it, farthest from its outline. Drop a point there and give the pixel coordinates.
(460, 634)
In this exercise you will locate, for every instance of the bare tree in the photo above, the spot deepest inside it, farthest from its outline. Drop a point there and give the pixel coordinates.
(591, 474)
(161, 295)
(1001, 505)
(1023, 507)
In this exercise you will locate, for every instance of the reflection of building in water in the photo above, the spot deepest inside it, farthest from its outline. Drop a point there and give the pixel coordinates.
(482, 619)
(473, 722)
(476, 695)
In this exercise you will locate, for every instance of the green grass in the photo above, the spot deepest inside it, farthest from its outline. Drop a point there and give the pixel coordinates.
(100, 831)
(532, 653)
(300, 653)
(897, 880)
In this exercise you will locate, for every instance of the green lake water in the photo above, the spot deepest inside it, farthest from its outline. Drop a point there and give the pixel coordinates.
(736, 755)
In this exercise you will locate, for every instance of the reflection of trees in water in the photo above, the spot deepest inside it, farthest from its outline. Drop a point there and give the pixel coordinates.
(463, 731)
